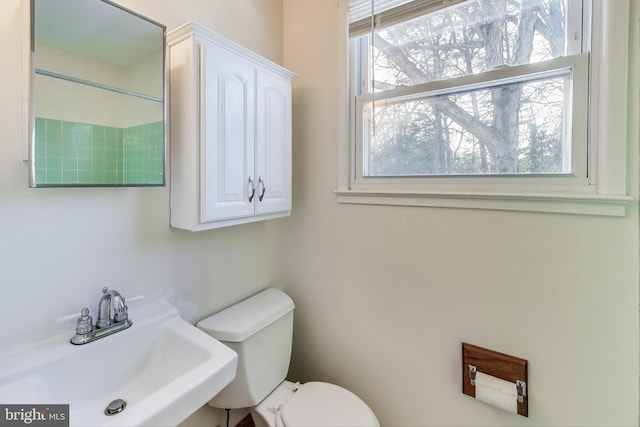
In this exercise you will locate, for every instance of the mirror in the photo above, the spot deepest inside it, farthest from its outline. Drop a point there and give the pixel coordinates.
(97, 96)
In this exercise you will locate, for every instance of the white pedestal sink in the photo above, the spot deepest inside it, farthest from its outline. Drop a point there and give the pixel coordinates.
(163, 367)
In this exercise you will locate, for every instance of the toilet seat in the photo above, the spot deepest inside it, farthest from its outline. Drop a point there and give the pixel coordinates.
(322, 404)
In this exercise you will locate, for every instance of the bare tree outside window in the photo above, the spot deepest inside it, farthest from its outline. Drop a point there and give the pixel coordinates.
(519, 126)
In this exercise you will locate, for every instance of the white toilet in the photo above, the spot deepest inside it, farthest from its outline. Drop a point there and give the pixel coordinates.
(260, 330)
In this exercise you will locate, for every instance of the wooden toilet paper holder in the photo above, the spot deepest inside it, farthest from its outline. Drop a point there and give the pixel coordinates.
(509, 368)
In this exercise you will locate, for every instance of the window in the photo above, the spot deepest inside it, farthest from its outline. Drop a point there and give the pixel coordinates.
(471, 98)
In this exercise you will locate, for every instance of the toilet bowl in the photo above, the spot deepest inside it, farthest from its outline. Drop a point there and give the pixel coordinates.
(260, 330)
(312, 404)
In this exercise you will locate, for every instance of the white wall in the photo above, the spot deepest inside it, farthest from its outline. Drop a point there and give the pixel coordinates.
(58, 247)
(385, 295)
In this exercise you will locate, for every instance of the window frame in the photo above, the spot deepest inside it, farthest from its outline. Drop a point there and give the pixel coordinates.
(598, 184)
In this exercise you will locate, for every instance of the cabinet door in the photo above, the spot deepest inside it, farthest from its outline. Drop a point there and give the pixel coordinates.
(227, 135)
(273, 145)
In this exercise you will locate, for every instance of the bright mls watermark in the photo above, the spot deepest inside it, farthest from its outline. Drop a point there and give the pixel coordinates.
(34, 415)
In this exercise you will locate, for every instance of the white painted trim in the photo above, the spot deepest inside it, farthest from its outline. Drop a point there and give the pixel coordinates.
(609, 103)
(192, 28)
(202, 226)
(552, 203)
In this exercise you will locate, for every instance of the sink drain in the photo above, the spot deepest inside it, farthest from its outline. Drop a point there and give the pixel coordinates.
(115, 407)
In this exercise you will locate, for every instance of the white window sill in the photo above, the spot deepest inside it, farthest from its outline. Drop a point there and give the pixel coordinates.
(584, 204)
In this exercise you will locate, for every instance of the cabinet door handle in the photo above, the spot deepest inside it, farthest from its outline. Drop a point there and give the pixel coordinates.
(251, 189)
(264, 188)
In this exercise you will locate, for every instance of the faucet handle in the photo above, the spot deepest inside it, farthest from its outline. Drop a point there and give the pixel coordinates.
(119, 306)
(84, 325)
(121, 314)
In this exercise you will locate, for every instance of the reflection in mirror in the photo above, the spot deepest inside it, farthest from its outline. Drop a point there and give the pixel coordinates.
(97, 97)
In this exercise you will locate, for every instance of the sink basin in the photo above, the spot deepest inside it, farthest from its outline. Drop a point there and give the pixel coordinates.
(163, 367)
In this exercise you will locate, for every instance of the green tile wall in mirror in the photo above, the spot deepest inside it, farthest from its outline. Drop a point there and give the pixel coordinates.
(97, 96)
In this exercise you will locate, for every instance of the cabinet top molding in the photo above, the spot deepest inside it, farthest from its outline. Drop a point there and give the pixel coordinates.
(191, 29)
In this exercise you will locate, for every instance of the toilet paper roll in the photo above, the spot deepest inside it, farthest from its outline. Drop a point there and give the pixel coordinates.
(497, 392)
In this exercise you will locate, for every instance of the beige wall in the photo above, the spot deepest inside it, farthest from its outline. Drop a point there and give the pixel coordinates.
(385, 295)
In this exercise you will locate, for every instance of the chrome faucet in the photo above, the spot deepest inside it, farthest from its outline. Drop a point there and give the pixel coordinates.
(111, 308)
(112, 317)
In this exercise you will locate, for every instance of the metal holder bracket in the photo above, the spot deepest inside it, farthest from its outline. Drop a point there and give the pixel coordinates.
(521, 387)
(472, 374)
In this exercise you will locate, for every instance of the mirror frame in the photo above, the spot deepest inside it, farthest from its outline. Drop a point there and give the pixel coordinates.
(29, 113)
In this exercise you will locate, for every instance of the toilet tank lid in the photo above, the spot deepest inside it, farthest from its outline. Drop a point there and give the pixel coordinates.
(242, 320)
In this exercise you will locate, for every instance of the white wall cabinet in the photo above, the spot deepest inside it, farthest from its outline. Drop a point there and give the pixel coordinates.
(230, 127)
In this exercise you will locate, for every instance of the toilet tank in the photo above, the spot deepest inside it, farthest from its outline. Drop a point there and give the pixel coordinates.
(260, 330)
